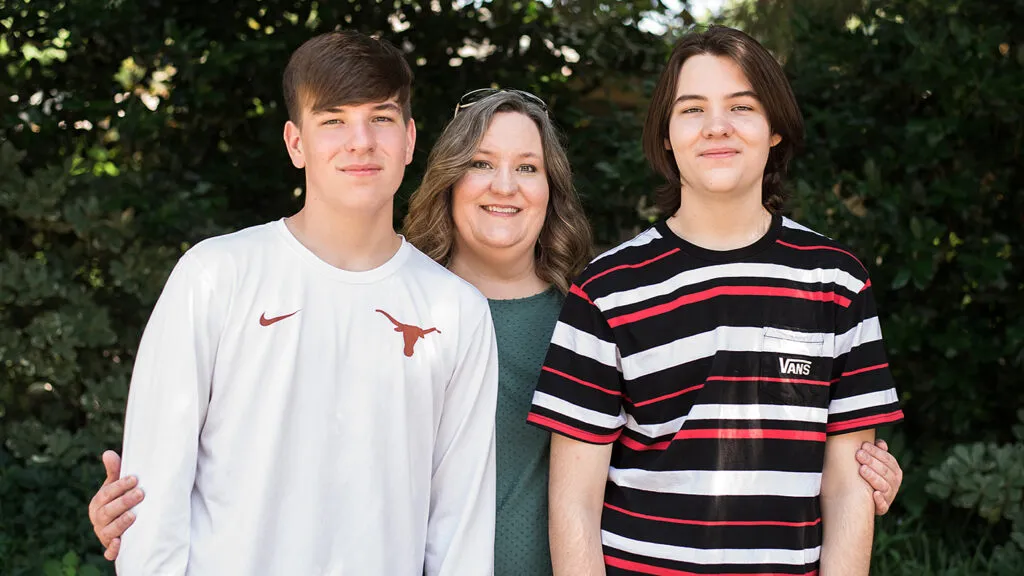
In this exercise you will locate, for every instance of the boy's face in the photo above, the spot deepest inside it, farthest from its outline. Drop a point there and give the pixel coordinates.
(718, 129)
(354, 155)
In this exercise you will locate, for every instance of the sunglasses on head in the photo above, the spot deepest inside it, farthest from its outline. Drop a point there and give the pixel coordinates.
(474, 96)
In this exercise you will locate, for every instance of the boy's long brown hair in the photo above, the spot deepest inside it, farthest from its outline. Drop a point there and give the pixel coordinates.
(769, 83)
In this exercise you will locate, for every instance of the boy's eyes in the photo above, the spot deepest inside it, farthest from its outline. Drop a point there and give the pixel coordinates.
(336, 121)
(735, 108)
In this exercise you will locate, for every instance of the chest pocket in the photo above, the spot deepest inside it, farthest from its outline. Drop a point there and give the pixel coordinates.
(792, 368)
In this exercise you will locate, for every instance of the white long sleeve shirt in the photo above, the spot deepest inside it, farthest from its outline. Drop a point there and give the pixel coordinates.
(287, 417)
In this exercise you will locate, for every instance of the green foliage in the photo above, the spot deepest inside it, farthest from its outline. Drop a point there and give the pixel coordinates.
(989, 479)
(193, 96)
(69, 565)
(77, 278)
(909, 546)
(914, 112)
(137, 128)
(133, 129)
(982, 532)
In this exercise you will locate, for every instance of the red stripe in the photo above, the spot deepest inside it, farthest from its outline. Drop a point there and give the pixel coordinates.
(640, 447)
(727, 434)
(571, 431)
(659, 571)
(865, 421)
(866, 285)
(574, 289)
(729, 291)
(713, 523)
(833, 248)
(868, 369)
(628, 266)
(667, 396)
(768, 379)
(578, 381)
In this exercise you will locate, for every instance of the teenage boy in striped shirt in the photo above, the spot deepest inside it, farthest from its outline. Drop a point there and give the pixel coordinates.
(710, 381)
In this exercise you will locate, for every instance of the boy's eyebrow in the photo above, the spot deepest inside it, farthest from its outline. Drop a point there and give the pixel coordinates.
(387, 106)
(740, 94)
(391, 106)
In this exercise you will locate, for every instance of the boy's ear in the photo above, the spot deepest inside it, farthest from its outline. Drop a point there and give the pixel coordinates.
(775, 139)
(293, 142)
(668, 145)
(410, 139)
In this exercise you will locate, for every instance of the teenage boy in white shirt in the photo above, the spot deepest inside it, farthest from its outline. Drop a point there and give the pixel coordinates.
(314, 395)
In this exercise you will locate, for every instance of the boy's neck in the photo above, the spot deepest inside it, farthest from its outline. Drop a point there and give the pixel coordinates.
(720, 222)
(355, 242)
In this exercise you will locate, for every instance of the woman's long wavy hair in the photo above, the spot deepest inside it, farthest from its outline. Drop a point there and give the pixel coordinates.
(564, 246)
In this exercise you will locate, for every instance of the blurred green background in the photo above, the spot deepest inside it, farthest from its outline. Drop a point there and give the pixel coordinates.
(132, 129)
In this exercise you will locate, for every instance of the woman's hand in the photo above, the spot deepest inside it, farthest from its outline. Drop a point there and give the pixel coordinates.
(880, 469)
(110, 509)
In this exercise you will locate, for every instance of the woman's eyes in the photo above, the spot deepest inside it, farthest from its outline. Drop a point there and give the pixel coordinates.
(482, 165)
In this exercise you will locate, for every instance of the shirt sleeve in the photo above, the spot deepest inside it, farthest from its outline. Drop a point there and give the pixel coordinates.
(862, 393)
(580, 391)
(460, 530)
(167, 405)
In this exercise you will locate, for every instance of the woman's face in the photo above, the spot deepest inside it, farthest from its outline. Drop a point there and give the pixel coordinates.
(500, 203)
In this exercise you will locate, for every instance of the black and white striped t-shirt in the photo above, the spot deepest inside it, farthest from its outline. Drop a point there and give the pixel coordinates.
(718, 375)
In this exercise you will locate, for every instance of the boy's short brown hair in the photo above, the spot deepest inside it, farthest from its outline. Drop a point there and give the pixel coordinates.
(345, 67)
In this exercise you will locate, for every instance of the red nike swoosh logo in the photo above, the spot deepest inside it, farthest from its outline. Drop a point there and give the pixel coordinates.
(264, 321)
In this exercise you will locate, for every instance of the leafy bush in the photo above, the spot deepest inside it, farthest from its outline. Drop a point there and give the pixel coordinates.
(989, 479)
(975, 524)
(913, 112)
(136, 128)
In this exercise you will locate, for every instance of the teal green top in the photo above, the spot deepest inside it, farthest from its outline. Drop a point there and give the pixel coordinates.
(523, 329)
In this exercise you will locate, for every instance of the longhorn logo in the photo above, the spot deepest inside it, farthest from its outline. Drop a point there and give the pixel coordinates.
(409, 332)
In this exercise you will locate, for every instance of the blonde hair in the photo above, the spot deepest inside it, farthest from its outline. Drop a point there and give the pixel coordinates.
(564, 246)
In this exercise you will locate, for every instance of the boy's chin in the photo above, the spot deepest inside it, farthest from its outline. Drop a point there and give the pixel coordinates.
(722, 188)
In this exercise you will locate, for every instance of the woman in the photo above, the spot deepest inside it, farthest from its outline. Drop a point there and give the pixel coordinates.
(497, 207)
